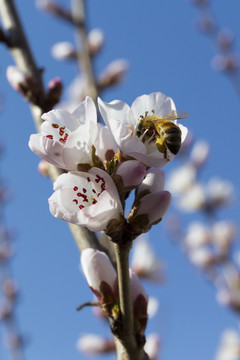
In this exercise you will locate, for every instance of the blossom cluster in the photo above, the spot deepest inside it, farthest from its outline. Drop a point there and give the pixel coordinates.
(208, 245)
(102, 280)
(103, 163)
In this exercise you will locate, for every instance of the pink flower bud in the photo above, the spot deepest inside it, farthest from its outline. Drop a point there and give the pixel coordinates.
(102, 279)
(152, 346)
(10, 288)
(225, 39)
(13, 341)
(113, 73)
(153, 182)
(55, 88)
(136, 286)
(5, 310)
(229, 62)
(97, 268)
(19, 80)
(140, 303)
(43, 167)
(153, 207)
(91, 344)
(144, 261)
(6, 251)
(131, 173)
(63, 51)
(95, 40)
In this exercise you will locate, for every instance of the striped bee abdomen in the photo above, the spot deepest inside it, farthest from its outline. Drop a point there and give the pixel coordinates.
(171, 134)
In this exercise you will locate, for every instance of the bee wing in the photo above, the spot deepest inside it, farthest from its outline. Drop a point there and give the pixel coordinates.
(175, 114)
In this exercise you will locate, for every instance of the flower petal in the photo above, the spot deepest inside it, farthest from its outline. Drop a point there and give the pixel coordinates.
(157, 101)
(86, 111)
(116, 109)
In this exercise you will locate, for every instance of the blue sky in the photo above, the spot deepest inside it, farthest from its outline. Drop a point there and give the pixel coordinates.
(166, 53)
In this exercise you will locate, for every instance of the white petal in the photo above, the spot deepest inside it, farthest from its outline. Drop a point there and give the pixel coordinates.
(184, 131)
(157, 101)
(96, 217)
(104, 142)
(47, 149)
(153, 182)
(116, 109)
(86, 111)
(78, 148)
(60, 117)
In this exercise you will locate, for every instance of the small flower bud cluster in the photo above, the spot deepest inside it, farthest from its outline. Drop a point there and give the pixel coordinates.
(226, 60)
(228, 286)
(208, 247)
(102, 280)
(25, 84)
(193, 195)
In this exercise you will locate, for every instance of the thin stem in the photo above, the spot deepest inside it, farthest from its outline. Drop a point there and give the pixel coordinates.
(122, 258)
(84, 58)
(126, 345)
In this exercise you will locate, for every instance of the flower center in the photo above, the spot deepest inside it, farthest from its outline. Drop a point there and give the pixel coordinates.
(88, 194)
(61, 133)
(146, 130)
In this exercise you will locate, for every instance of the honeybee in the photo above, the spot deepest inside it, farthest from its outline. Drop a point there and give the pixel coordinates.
(162, 131)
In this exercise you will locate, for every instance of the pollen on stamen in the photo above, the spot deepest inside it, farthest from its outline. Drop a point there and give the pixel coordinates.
(55, 126)
(49, 137)
(75, 188)
(88, 179)
(84, 190)
(75, 200)
(81, 207)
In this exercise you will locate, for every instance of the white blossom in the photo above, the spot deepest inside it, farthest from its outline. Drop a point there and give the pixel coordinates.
(88, 199)
(199, 153)
(66, 139)
(181, 179)
(124, 124)
(144, 261)
(193, 199)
